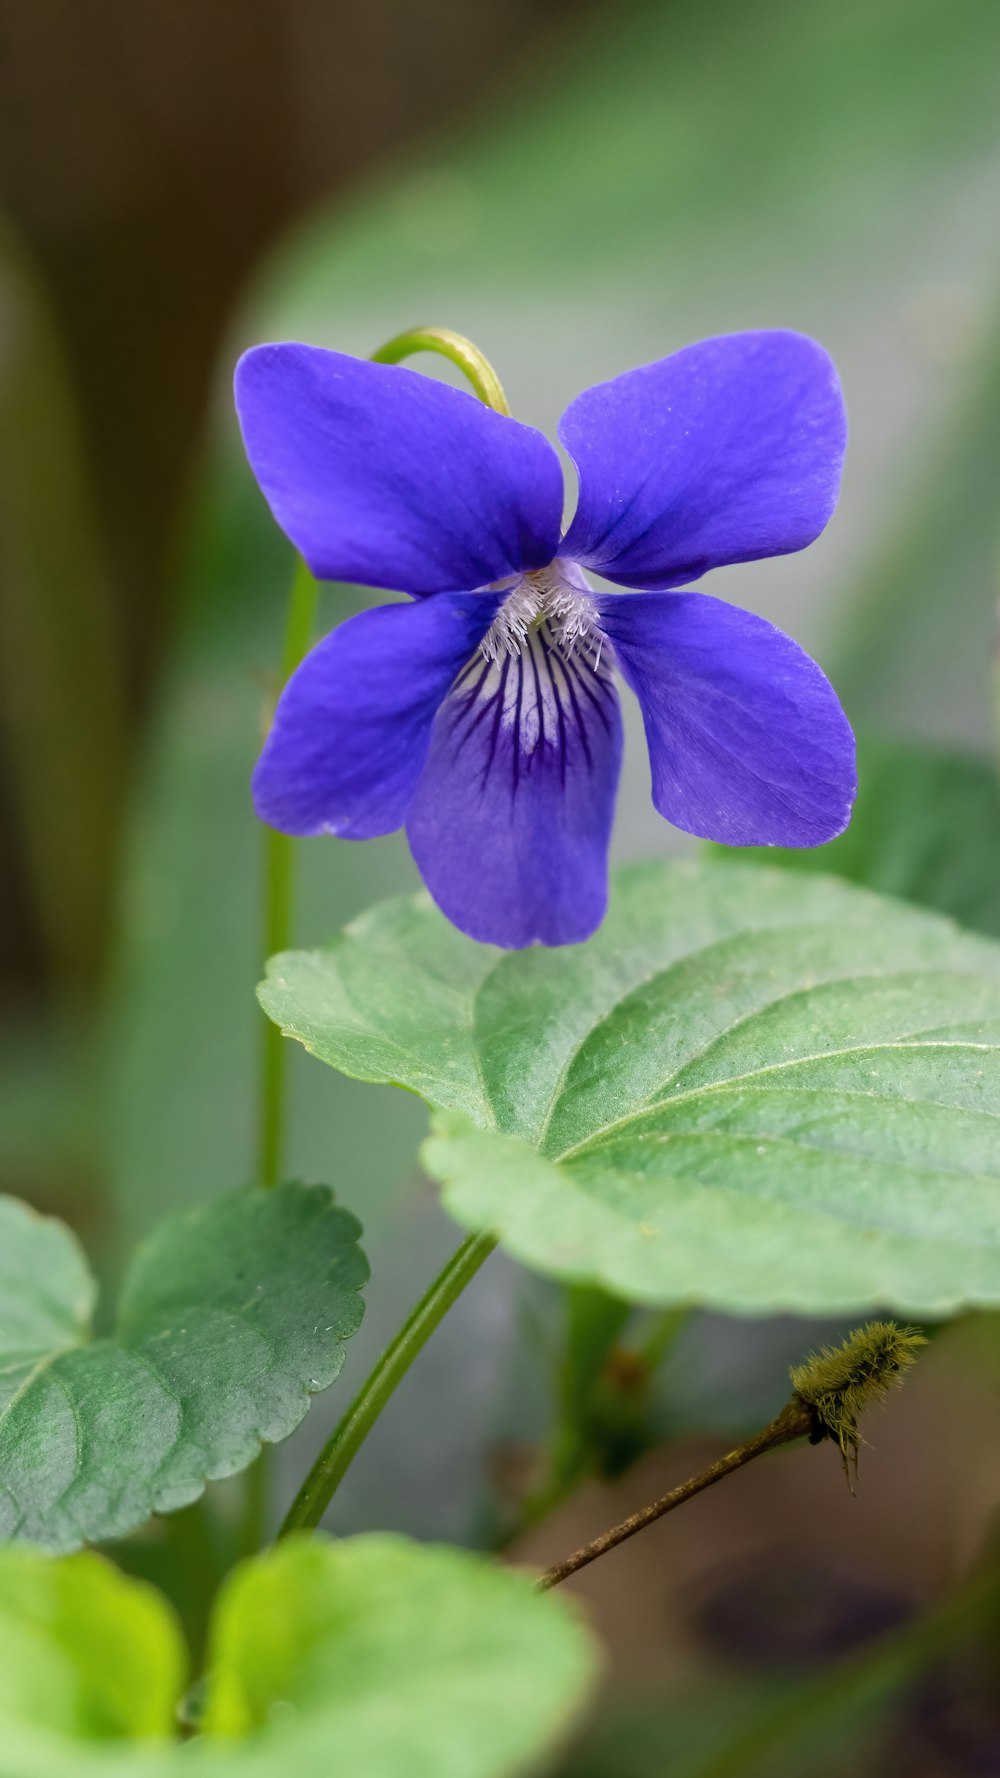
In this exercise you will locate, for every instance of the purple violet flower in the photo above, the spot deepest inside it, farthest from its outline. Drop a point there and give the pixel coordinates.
(482, 714)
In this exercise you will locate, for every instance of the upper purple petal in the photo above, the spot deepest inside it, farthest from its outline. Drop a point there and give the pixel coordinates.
(388, 478)
(748, 743)
(353, 724)
(726, 451)
(511, 820)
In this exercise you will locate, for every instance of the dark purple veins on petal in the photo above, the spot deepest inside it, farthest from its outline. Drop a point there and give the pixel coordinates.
(511, 819)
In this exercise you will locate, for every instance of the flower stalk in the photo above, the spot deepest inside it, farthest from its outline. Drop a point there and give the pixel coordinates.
(279, 895)
(455, 347)
(338, 1453)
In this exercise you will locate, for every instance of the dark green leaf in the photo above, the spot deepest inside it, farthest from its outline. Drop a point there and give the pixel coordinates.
(750, 1089)
(230, 1318)
(926, 826)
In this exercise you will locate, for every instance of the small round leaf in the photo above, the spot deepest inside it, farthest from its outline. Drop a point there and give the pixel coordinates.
(231, 1317)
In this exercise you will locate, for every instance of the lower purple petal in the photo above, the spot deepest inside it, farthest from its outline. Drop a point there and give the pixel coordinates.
(512, 818)
(353, 724)
(747, 740)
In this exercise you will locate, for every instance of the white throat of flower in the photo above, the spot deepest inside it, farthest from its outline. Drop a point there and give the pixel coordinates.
(540, 687)
(547, 598)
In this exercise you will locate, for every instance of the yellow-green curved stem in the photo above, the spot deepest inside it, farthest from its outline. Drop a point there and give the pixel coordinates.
(458, 349)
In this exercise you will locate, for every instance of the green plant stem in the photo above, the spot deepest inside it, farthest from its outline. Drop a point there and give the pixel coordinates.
(661, 1337)
(573, 1453)
(458, 349)
(995, 674)
(279, 893)
(279, 890)
(331, 1465)
(256, 1498)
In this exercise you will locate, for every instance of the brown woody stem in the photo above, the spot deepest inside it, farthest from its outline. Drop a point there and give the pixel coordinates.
(796, 1420)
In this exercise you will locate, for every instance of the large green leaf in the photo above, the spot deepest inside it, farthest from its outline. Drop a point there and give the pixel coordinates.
(230, 1318)
(374, 1656)
(750, 1089)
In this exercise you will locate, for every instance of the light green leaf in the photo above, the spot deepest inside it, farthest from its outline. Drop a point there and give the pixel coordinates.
(395, 1659)
(750, 1089)
(84, 1652)
(230, 1318)
(374, 1656)
(926, 826)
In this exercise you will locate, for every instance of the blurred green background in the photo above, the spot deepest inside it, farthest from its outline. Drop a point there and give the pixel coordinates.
(579, 188)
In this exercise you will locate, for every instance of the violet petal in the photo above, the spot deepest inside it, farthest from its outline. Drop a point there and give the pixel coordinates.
(726, 451)
(748, 743)
(512, 818)
(353, 724)
(390, 479)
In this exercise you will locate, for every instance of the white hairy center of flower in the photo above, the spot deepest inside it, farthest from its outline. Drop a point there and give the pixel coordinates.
(545, 599)
(540, 685)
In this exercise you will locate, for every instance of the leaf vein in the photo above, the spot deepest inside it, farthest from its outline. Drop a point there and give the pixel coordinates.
(882, 976)
(734, 1080)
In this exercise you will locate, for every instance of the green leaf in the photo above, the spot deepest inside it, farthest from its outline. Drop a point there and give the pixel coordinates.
(85, 1655)
(399, 1659)
(750, 1089)
(372, 1655)
(230, 1318)
(926, 826)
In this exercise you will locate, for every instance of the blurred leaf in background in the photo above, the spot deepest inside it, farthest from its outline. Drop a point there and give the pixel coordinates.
(926, 827)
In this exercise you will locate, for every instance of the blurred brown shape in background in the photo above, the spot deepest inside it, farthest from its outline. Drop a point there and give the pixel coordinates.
(148, 155)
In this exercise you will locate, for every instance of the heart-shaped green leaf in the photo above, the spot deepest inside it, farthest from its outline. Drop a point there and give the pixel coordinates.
(230, 1318)
(750, 1089)
(401, 1659)
(372, 1655)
